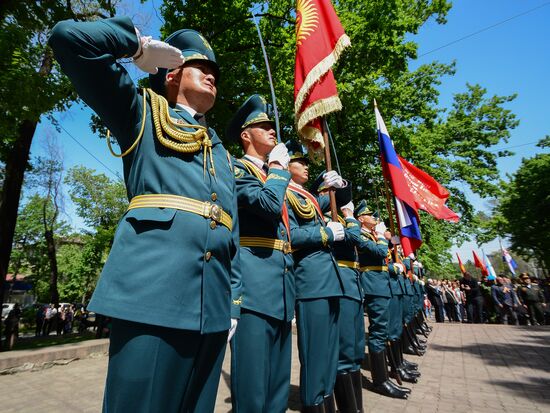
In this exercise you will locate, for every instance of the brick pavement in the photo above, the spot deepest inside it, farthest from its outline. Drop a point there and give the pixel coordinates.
(468, 368)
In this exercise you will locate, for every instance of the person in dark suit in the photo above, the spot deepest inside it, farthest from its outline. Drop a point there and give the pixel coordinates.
(532, 299)
(506, 301)
(171, 283)
(474, 299)
(261, 347)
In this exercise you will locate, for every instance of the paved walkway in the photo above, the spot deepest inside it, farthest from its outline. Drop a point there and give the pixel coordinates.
(468, 368)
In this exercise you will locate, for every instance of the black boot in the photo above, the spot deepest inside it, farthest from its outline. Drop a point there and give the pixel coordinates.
(380, 380)
(405, 364)
(318, 408)
(399, 388)
(414, 340)
(401, 372)
(357, 380)
(329, 404)
(409, 365)
(345, 394)
(408, 347)
(393, 364)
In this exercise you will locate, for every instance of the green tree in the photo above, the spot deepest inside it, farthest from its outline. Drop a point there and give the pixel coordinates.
(27, 66)
(100, 202)
(452, 144)
(523, 208)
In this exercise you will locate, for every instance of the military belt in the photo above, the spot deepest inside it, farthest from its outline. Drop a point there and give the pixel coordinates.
(348, 264)
(374, 268)
(275, 244)
(203, 208)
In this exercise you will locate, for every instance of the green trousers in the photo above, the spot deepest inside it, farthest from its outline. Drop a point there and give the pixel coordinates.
(159, 369)
(260, 364)
(351, 326)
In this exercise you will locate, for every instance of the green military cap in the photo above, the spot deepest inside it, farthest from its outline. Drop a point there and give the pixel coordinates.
(296, 151)
(254, 110)
(362, 209)
(193, 46)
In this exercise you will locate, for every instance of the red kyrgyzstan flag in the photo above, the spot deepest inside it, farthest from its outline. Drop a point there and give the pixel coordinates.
(320, 40)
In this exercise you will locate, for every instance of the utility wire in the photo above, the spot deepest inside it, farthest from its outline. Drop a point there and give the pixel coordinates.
(484, 29)
(116, 174)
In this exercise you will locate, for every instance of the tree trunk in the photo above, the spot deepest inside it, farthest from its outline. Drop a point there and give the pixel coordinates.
(16, 163)
(52, 258)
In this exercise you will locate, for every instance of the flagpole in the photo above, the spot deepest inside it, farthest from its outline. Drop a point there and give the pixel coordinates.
(328, 162)
(325, 123)
(275, 110)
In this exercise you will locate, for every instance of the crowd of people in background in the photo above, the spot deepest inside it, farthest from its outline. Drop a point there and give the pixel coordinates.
(519, 300)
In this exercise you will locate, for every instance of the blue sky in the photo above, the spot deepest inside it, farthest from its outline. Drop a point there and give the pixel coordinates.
(509, 58)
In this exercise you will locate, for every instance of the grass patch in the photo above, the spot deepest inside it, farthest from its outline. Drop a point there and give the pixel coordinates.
(30, 343)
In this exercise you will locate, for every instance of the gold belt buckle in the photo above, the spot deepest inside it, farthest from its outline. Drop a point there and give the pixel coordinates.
(287, 248)
(216, 213)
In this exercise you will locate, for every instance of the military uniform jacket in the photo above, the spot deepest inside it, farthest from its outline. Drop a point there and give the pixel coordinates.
(531, 295)
(395, 280)
(316, 271)
(373, 253)
(166, 267)
(268, 285)
(345, 253)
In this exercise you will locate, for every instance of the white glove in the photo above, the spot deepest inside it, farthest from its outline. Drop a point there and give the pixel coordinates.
(279, 154)
(400, 267)
(153, 54)
(380, 228)
(337, 230)
(411, 256)
(232, 329)
(349, 206)
(395, 240)
(331, 179)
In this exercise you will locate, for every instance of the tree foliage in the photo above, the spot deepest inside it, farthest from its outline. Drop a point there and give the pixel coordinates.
(453, 144)
(522, 211)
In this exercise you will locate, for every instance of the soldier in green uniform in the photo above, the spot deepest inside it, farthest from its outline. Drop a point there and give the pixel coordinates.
(171, 283)
(406, 346)
(373, 251)
(318, 283)
(261, 347)
(532, 299)
(348, 389)
(395, 328)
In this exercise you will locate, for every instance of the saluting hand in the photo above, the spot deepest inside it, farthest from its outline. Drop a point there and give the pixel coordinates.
(279, 154)
(153, 54)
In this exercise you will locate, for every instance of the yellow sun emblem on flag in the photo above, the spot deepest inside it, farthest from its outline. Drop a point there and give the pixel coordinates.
(307, 19)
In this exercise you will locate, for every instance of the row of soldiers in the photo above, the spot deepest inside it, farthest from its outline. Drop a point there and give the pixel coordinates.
(214, 249)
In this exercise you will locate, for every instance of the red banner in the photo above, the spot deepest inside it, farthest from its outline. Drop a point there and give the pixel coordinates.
(462, 268)
(479, 264)
(429, 195)
(320, 39)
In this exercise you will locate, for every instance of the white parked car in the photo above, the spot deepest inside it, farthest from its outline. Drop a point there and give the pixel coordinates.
(6, 308)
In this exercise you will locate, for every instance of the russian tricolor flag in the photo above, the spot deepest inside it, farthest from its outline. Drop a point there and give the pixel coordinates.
(507, 258)
(407, 214)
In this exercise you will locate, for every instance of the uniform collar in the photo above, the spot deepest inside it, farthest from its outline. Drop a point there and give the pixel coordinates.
(258, 162)
(188, 109)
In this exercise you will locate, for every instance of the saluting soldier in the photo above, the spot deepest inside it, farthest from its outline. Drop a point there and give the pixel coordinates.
(373, 251)
(171, 283)
(318, 282)
(348, 388)
(261, 347)
(532, 299)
